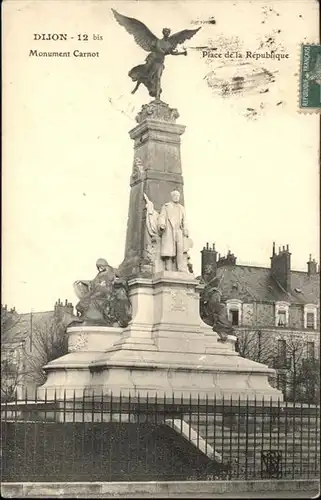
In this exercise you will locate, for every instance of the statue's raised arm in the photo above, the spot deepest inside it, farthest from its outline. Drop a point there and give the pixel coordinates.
(149, 73)
(151, 217)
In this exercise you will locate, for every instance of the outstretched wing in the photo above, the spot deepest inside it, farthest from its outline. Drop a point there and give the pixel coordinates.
(181, 36)
(142, 35)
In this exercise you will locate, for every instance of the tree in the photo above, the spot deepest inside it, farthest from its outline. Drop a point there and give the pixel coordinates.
(311, 378)
(256, 345)
(310, 381)
(9, 320)
(13, 334)
(303, 375)
(298, 375)
(50, 342)
(21, 363)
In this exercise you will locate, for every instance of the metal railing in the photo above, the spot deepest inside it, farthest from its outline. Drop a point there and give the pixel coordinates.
(126, 438)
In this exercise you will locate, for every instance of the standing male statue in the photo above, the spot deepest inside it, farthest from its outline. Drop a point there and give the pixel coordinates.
(175, 243)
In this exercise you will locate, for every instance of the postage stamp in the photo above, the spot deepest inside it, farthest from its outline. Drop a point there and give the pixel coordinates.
(310, 78)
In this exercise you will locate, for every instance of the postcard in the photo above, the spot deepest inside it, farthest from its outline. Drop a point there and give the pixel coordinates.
(156, 152)
(249, 155)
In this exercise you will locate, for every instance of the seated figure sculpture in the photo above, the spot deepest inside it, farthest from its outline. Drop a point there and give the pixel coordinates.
(213, 312)
(103, 300)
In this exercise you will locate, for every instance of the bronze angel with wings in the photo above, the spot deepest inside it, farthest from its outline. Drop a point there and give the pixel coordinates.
(149, 74)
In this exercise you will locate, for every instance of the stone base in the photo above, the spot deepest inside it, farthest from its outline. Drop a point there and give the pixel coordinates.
(165, 349)
(134, 372)
(92, 338)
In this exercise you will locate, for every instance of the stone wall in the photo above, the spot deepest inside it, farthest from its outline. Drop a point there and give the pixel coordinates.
(174, 489)
(262, 314)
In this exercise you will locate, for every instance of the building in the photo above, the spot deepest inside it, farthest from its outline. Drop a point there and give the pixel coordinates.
(28, 342)
(275, 313)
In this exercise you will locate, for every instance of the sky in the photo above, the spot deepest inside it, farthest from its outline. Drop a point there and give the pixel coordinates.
(249, 157)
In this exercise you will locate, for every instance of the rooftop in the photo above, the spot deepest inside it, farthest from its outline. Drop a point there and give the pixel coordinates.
(252, 283)
(20, 325)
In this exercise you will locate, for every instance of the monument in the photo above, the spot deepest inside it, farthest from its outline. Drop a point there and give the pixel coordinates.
(157, 342)
(103, 300)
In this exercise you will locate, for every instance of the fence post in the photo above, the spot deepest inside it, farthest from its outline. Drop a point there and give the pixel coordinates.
(238, 436)
(254, 438)
(231, 464)
(246, 437)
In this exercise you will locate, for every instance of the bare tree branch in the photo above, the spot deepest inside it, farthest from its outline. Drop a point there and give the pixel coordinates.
(13, 336)
(21, 365)
(298, 375)
(50, 342)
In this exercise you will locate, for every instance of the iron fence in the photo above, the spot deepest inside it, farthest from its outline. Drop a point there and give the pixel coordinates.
(127, 438)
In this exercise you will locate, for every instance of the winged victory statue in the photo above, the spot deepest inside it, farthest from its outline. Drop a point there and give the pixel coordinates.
(150, 73)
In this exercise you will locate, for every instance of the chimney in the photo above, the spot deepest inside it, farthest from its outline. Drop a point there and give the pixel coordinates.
(281, 267)
(208, 262)
(228, 260)
(63, 308)
(312, 266)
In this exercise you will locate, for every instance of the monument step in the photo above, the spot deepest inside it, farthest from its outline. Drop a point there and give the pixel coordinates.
(287, 470)
(286, 447)
(259, 432)
(227, 434)
(242, 452)
(203, 417)
(251, 426)
(241, 455)
(258, 438)
(287, 465)
(288, 460)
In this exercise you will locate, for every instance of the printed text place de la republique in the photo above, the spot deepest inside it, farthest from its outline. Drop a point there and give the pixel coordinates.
(75, 53)
(212, 53)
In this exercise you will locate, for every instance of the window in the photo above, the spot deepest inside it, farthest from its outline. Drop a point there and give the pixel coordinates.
(282, 361)
(281, 382)
(234, 317)
(310, 350)
(281, 318)
(282, 314)
(310, 316)
(282, 348)
(234, 311)
(310, 320)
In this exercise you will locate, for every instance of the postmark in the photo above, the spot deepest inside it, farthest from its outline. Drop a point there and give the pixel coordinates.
(310, 78)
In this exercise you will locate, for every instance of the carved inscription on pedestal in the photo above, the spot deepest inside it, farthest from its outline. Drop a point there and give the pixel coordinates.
(79, 343)
(178, 302)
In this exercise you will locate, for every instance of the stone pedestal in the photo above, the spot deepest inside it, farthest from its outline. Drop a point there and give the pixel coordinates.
(156, 171)
(72, 371)
(165, 349)
(93, 338)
